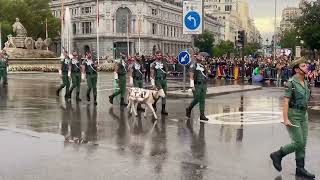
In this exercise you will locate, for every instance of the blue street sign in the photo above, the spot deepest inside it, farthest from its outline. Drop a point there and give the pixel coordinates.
(184, 58)
(192, 20)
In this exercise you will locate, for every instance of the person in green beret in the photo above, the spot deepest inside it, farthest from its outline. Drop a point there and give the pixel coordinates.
(295, 117)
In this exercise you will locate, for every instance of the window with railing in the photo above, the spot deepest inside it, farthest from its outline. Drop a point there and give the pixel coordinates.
(86, 27)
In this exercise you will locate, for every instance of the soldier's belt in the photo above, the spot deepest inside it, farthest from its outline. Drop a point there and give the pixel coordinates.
(159, 79)
(301, 108)
(90, 73)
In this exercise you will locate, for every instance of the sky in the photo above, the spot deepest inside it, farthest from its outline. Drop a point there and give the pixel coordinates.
(263, 11)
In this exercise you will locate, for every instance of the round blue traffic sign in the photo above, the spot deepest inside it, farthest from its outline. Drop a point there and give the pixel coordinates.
(184, 58)
(192, 20)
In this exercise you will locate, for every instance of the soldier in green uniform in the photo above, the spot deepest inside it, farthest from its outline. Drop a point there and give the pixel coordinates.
(198, 83)
(136, 75)
(64, 73)
(120, 75)
(75, 69)
(5, 76)
(3, 66)
(90, 68)
(159, 78)
(295, 117)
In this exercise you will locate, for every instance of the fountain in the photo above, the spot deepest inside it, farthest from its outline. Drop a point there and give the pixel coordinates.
(23, 47)
(67, 35)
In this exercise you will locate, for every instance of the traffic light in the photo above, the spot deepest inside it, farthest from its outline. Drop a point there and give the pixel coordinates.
(241, 38)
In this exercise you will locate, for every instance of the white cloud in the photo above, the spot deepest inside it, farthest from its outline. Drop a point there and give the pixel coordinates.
(266, 24)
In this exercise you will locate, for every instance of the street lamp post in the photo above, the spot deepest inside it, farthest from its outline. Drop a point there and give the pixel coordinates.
(275, 31)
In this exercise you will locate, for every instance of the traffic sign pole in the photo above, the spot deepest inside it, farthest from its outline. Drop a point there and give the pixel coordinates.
(184, 59)
(184, 78)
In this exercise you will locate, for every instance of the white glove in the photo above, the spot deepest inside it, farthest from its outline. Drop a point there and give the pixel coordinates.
(152, 82)
(7, 68)
(83, 76)
(60, 72)
(131, 81)
(191, 83)
(116, 76)
(69, 73)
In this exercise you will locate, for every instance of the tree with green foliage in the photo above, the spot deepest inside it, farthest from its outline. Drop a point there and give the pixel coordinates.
(308, 25)
(289, 39)
(32, 14)
(205, 42)
(223, 48)
(251, 48)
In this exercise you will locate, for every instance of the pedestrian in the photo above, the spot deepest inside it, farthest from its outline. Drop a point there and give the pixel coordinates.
(90, 68)
(75, 69)
(120, 75)
(198, 83)
(64, 73)
(3, 66)
(295, 117)
(159, 78)
(136, 76)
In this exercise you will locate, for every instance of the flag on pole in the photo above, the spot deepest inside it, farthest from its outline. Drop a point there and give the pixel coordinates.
(98, 48)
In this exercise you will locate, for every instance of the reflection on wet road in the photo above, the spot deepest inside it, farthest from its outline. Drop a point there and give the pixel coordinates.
(47, 138)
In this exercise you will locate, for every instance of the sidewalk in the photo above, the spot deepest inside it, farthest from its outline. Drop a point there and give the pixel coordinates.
(215, 91)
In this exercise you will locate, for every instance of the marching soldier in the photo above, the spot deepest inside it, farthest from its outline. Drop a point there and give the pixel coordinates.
(159, 78)
(136, 75)
(5, 76)
(65, 74)
(90, 68)
(120, 75)
(75, 69)
(198, 83)
(295, 117)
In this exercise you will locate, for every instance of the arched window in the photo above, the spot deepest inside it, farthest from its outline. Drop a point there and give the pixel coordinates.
(123, 19)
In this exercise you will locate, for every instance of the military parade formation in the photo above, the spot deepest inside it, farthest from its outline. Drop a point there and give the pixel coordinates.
(74, 70)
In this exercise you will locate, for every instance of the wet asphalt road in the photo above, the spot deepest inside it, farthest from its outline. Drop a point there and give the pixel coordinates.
(43, 137)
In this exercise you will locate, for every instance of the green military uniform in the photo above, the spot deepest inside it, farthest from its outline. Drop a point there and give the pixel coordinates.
(92, 77)
(137, 75)
(298, 96)
(122, 77)
(65, 62)
(3, 68)
(76, 77)
(200, 82)
(160, 78)
(298, 116)
(5, 77)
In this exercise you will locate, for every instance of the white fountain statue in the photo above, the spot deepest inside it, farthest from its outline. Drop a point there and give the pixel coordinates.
(67, 35)
(21, 46)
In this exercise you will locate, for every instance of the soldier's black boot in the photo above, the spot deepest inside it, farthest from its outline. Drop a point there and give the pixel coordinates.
(88, 96)
(78, 97)
(122, 103)
(277, 158)
(163, 110)
(95, 100)
(301, 172)
(203, 117)
(188, 112)
(111, 99)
